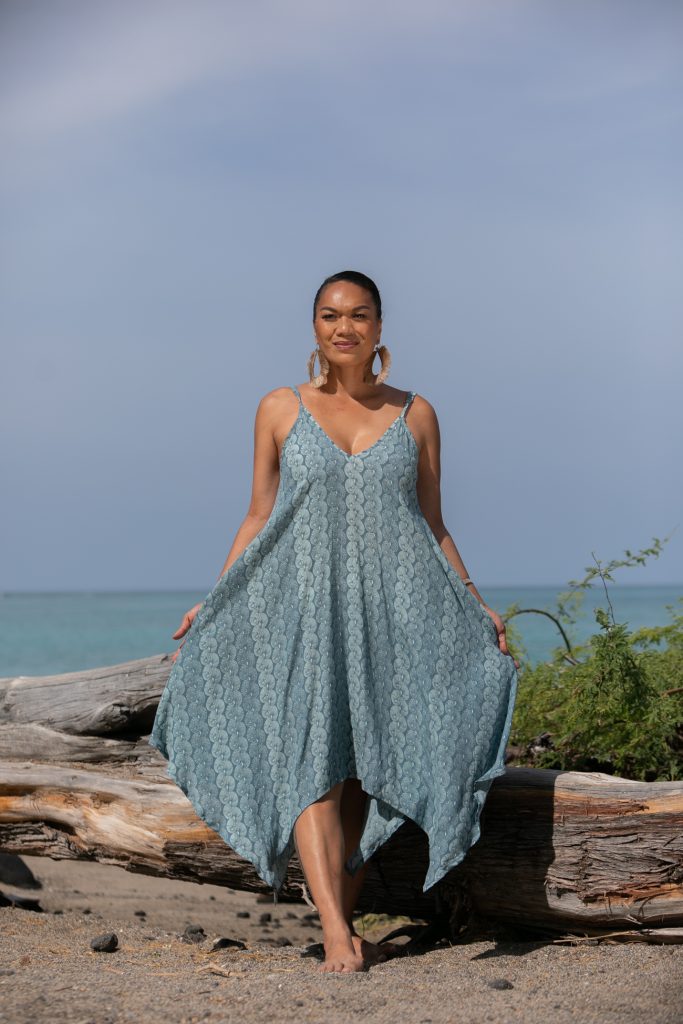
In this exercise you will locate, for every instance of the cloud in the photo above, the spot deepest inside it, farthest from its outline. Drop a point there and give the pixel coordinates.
(74, 66)
(102, 60)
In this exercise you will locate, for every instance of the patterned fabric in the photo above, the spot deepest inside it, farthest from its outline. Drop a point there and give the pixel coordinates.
(340, 644)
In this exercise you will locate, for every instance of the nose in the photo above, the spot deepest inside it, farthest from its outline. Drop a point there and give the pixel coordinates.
(345, 327)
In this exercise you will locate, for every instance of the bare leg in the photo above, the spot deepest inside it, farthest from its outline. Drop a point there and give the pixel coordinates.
(321, 849)
(352, 809)
(326, 834)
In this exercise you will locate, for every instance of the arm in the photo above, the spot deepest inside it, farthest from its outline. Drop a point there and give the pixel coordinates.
(425, 427)
(266, 474)
(268, 421)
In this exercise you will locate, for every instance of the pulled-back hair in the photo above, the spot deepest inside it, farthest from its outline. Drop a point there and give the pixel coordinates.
(355, 277)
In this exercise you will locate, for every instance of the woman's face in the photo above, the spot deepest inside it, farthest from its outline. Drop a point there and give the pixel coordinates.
(346, 324)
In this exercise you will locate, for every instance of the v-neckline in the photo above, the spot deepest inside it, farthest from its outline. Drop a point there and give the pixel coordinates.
(364, 451)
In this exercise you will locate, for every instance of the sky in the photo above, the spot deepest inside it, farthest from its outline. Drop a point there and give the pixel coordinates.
(178, 178)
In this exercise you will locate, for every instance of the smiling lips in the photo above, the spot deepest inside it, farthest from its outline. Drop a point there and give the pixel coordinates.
(345, 344)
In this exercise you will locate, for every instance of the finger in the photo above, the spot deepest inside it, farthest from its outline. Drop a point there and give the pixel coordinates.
(177, 652)
(184, 626)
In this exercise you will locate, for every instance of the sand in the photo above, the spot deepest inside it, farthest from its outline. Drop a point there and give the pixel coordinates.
(48, 972)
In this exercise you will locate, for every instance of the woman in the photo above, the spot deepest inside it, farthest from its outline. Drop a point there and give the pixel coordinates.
(344, 673)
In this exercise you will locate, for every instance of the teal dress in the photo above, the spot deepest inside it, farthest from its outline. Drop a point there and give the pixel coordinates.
(341, 643)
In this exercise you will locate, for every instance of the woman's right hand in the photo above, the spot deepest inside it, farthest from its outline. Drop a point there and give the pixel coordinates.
(188, 619)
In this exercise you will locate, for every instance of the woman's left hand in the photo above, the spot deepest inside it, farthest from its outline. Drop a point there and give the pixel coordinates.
(500, 630)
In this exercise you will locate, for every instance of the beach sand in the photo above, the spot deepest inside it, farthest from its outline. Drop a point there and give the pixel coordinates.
(48, 972)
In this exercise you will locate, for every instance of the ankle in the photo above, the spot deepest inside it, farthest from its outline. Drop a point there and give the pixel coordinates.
(336, 929)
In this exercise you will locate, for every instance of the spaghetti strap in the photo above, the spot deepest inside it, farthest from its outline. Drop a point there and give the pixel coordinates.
(341, 629)
(406, 404)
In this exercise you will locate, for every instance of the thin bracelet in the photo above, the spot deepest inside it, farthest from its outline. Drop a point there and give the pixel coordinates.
(466, 580)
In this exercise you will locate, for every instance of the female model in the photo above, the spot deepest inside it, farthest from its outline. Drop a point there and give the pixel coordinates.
(344, 673)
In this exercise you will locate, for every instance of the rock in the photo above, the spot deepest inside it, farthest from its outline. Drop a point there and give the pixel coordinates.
(315, 949)
(106, 943)
(224, 943)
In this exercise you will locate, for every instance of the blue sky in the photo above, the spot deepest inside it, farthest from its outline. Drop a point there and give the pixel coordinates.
(177, 179)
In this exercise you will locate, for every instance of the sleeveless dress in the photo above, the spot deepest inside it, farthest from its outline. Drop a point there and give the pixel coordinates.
(340, 644)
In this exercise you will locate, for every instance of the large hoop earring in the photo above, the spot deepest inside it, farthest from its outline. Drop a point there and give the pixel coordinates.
(317, 380)
(385, 357)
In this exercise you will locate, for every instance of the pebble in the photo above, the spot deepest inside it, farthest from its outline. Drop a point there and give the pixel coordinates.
(106, 943)
(224, 943)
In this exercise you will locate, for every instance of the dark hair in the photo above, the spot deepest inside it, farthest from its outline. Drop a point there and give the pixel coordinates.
(355, 277)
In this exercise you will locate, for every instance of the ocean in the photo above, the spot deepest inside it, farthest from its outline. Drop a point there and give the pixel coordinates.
(48, 633)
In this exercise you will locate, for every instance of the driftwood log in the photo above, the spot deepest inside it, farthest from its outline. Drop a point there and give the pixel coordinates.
(586, 852)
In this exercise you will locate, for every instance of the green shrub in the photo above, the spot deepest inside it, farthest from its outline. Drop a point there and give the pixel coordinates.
(613, 704)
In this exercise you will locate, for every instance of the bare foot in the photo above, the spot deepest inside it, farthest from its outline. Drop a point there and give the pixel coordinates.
(373, 952)
(342, 955)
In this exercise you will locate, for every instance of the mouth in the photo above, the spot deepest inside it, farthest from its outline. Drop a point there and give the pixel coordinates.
(345, 344)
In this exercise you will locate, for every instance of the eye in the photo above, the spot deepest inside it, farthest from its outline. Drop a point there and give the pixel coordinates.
(362, 315)
(327, 316)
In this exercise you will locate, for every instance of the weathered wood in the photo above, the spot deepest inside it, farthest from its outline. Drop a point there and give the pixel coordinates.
(78, 779)
(580, 847)
(105, 701)
(656, 936)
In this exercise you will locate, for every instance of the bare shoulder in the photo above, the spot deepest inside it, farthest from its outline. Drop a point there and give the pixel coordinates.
(423, 412)
(274, 398)
(274, 403)
(422, 406)
(421, 418)
(275, 416)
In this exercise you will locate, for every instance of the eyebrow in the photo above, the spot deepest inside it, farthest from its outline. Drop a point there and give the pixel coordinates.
(333, 310)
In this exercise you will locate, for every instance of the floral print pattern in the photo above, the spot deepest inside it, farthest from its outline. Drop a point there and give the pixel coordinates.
(341, 643)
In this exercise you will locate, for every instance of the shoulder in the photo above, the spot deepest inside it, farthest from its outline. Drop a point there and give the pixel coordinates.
(419, 408)
(423, 411)
(275, 401)
(422, 420)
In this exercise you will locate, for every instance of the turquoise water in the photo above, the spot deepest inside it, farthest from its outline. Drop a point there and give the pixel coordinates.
(42, 634)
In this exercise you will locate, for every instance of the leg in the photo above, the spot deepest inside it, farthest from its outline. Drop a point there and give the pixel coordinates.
(321, 849)
(352, 810)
